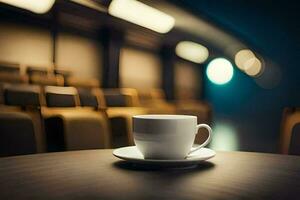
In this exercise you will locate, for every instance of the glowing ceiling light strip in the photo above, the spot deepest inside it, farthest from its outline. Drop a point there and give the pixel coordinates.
(36, 6)
(192, 51)
(141, 14)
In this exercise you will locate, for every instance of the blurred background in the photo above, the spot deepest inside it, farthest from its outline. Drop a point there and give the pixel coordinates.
(234, 64)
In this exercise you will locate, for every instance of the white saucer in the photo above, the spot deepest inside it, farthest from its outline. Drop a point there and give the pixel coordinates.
(133, 155)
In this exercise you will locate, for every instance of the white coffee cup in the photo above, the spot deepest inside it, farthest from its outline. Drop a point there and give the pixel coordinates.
(167, 136)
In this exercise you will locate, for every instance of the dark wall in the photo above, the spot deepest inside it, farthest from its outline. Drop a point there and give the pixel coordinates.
(270, 28)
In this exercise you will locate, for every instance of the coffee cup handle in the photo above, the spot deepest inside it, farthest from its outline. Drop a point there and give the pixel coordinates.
(207, 141)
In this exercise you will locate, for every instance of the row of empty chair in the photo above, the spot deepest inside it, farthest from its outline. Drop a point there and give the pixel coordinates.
(111, 111)
(63, 119)
(83, 116)
(14, 73)
(59, 125)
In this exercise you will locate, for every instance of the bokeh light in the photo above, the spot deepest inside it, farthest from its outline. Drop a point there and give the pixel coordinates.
(224, 137)
(242, 57)
(246, 61)
(253, 67)
(192, 51)
(36, 6)
(219, 71)
(141, 14)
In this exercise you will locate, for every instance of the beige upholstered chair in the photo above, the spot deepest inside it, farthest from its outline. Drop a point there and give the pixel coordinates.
(9, 67)
(88, 90)
(17, 135)
(92, 98)
(122, 97)
(24, 102)
(10, 73)
(7, 77)
(44, 76)
(71, 127)
(156, 103)
(122, 104)
(65, 73)
(290, 131)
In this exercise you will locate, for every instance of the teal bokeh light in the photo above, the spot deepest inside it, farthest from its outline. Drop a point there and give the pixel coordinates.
(219, 71)
(224, 137)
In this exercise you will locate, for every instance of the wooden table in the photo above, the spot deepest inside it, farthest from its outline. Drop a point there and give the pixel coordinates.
(96, 174)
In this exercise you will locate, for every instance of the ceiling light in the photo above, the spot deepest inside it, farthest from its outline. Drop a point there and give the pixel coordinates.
(219, 71)
(192, 51)
(253, 67)
(141, 14)
(36, 6)
(242, 57)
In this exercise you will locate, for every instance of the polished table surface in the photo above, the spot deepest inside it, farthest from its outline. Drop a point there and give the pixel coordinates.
(96, 174)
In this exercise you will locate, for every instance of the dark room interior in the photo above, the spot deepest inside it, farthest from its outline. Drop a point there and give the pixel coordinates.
(111, 89)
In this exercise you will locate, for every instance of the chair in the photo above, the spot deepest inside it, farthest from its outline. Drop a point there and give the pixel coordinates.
(63, 73)
(9, 67)
(290, 132)
(61, 96)
(88, 89)
(89, 92)
(44, 76)
(70, 127)
(8, 77)
(156, 102)
(122, 105)
(93, 98)
(37, 70)
(122, 97)
(294, 148)
(10, 73)
(17, 134)
(23, 101)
